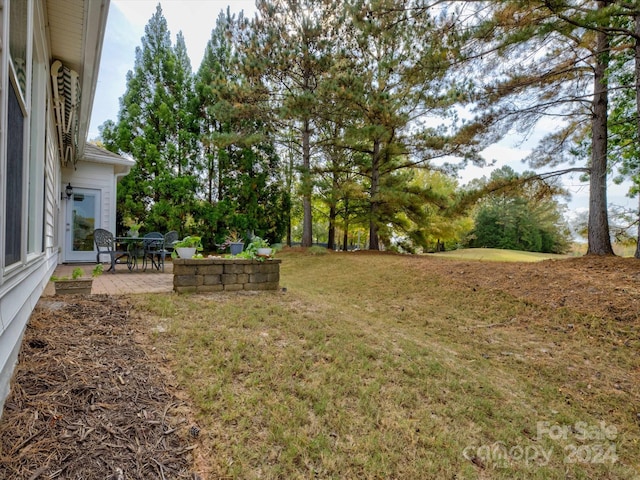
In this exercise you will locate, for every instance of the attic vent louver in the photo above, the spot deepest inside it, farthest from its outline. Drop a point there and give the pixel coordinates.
(66, 101)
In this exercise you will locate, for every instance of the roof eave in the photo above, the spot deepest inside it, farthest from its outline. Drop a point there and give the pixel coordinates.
(94, 29)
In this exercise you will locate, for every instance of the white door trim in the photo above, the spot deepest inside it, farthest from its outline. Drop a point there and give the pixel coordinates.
(82, 249)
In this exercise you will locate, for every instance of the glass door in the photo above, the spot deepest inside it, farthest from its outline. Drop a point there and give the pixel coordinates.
(82, 218)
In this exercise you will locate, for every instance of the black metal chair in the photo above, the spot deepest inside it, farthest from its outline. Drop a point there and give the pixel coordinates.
(106, 245)
(169, 239)
(153, 250)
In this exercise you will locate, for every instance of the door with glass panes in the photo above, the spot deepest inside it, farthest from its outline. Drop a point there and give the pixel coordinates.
(82, 217)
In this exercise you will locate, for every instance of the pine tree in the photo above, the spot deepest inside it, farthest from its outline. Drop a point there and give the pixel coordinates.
(556, 55)
(244, 185)
(382, 88)
(520, 213)
(156, 127)
(290, 54)
(624, 122)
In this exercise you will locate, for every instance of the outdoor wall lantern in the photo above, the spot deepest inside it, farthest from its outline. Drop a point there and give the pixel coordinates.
(69, 191)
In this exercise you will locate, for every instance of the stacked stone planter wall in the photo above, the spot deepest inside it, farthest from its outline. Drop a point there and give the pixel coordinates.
(218, 274)
(74, 287)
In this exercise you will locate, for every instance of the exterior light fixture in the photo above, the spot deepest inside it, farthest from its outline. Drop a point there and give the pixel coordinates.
(69, 191)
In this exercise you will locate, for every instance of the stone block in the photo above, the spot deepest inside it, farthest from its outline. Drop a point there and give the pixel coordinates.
(182, 269)
(271, 267)
(229, 278)
(187, 280)
(234, 267)
(250, 268)
(233, 287)
(212, 279)
(210, 269)
(258, 278)
(210, 288)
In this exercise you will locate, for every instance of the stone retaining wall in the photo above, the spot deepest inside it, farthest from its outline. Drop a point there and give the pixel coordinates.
(218, 274)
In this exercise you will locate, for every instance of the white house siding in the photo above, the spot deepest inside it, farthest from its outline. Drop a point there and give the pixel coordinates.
(21, 286)
(20, 293)
(22, 283)
(98, 177)
(52, 190)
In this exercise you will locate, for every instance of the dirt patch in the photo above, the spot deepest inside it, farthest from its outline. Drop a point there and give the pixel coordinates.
(607, 287)
(86, 402)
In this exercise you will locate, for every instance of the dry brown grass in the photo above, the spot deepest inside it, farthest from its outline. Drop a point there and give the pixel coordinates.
(385, 366)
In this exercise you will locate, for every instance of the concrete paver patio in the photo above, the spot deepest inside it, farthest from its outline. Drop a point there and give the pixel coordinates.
(123, 282)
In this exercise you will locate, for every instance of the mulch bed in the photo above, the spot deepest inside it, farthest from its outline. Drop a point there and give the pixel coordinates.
(87, 403)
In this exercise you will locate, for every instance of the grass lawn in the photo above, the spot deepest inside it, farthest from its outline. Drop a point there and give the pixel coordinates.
(379, 367)
(497, 255)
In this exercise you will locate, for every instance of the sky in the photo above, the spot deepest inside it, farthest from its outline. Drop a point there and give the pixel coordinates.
(196, 19)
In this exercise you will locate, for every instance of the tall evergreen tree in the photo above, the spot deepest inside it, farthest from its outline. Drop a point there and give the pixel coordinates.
(291, 53)
(156, 127)
(624, 122)
(243, 178)
(555, 57)
(520, 213)
(385, 88)
(599, 237)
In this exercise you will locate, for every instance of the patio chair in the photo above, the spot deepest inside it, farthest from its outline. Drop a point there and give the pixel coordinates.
(153, 250)
(106, 245)
(169, 239)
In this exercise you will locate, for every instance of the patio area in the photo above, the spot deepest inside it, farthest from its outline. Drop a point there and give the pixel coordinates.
(123, 282)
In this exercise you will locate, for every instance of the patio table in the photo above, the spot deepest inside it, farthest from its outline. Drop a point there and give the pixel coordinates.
(134, 248)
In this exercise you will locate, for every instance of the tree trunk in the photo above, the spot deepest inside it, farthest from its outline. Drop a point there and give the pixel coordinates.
(290, 192)
(637, 75)
(637, 254)
(373, 194)
(345, 234)
(210, 174)
(331, 241)
(599, 240)
(307, 222)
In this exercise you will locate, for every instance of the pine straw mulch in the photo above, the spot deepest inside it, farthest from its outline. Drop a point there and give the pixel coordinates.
(604, 286)
(87, 403)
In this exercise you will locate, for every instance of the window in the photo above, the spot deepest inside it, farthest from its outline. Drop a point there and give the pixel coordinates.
(18, 32)
(19, 202)
(13, 181)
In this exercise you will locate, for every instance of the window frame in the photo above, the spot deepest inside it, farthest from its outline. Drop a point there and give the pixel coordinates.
(35, 208)
(10, 82)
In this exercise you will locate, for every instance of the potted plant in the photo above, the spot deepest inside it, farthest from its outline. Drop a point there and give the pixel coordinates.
(187, 247)
(235, 242)
(77, 284)
(133, 228)
(262, 247)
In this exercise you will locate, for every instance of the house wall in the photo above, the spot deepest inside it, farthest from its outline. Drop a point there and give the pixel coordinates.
(97, 176)
(22, 283)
